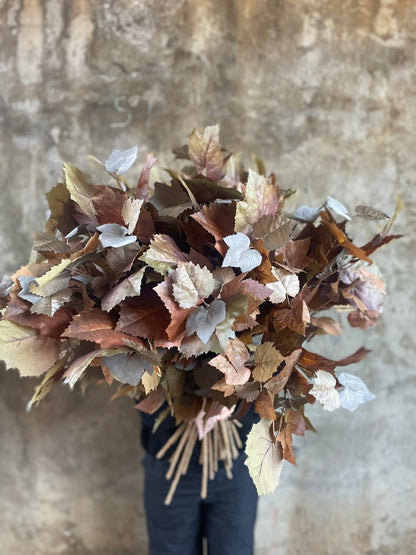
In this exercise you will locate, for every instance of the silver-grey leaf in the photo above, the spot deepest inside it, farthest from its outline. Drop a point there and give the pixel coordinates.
(355, 391)
(120, 161)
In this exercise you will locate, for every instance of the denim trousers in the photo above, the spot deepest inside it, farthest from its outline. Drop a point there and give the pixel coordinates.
(225, 518)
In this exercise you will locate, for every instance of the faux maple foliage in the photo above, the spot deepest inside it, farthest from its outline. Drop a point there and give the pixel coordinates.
(198, 292)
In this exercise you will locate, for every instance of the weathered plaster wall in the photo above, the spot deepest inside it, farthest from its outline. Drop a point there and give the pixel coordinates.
(325, 92)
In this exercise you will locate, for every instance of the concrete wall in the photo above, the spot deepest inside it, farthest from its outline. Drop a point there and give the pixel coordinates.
(325, 92)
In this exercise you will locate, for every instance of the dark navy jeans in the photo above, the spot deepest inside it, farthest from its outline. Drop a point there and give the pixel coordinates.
(226, 517)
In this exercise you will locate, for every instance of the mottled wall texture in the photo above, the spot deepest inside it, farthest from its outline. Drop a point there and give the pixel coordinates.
(325, 92)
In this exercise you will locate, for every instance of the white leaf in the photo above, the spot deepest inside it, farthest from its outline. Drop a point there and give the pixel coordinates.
(324, 390)
(203, 320)
(337, 208)
(287, 285)
(306, 213)
(120, 161)
(239, 254)
(115, 235)
(355, 391)
(264, 458)
(191, 283)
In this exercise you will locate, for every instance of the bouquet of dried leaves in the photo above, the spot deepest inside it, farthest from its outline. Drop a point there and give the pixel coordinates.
(197, 293)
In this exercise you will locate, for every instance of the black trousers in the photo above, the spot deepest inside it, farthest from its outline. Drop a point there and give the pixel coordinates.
(226, 517)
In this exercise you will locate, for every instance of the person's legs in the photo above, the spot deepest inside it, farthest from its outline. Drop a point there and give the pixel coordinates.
(173, 529)
(229, 512)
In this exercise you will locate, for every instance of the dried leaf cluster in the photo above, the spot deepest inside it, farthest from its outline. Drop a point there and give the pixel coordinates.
(199, 291)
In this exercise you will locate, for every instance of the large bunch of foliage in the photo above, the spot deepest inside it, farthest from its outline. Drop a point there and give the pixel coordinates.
(198, 292)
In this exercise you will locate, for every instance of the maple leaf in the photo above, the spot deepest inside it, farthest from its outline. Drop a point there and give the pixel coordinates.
(163, 253)
(205, 152)
(203, 321)
(25, 349)
(264, 457)
(261, 197)
(267, 360)
(191, 284)
(232, 362)
(120, 161)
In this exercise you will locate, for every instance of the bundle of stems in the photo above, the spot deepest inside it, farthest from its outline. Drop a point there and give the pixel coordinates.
(221, 444)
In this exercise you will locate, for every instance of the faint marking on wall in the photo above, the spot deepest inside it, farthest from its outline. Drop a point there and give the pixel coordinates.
(80, 35)
(30, 43)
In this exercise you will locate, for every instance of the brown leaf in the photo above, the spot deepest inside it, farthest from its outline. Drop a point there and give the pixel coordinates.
(205, 152)
(277, 383)
(18, 311)
(218, 220)
(327, 325)
(295, 422)
(144, 316)
(363, 320)
(142, 189)
(330, 223)
(108, 203)
(295, 318)
(285, 438)
(231, 362)
(176, 329)
(264, 405)
(267, 359)
(152, 402)
(187, 407)
(314, 361)
(97, 326)
(295, 254)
